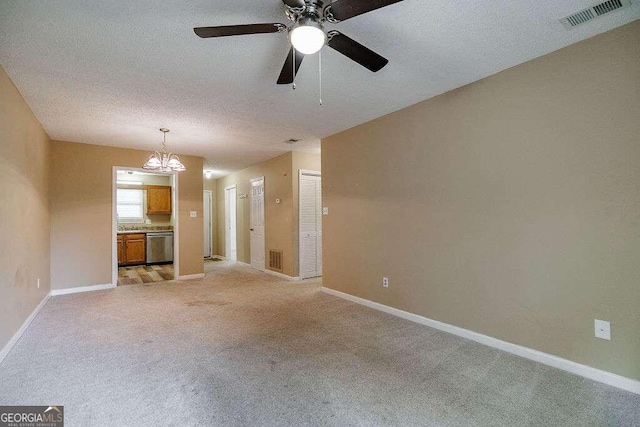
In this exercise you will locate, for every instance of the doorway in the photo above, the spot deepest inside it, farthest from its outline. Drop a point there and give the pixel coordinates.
(310, 224)
(144, 226)
(207, 203)
(257, 223)
(230, 200)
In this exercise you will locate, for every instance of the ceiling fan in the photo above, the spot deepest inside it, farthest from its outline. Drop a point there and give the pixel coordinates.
(307, 33)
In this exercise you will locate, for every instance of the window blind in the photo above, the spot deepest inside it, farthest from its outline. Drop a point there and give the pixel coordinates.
(130, 205)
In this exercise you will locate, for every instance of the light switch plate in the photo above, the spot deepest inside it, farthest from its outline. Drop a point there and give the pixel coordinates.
(603, 329)
(325, 211)
(193, 214)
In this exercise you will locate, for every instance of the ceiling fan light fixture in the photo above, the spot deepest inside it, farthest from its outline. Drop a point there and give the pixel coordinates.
(308, 36)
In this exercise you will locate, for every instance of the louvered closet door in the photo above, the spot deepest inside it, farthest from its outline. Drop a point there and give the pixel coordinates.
(310, 226)
(319, 226)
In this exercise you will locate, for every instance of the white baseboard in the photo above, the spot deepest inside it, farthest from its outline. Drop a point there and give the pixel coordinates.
(282, 276)
(274, 273)
(191, 276)
(66, 291)
(605, 377)
(14, 339)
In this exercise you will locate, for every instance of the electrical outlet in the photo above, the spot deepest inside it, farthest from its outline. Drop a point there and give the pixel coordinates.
(325, 211)
(193, 214)
(603, 329)
(385, 282)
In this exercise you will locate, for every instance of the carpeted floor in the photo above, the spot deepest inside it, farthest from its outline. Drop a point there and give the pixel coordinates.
(244, 348)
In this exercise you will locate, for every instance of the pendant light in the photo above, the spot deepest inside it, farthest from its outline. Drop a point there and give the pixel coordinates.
(164, 161)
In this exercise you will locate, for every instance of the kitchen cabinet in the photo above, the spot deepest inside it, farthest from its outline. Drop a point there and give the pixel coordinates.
(122, 259)
(158, 199)
(132, 249)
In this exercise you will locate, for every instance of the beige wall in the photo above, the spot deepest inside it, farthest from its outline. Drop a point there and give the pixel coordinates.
(510, 206)
(211, 184)
(24, 211)
(81, 212)
(278, 217)
(306, 161)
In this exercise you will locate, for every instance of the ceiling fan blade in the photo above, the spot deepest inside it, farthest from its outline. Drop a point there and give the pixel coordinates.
(294, 3)
(355, 51)
(345, 9)
(286, 75)
(238, 30)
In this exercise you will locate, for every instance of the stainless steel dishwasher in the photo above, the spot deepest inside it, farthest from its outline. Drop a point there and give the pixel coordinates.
(159, 247)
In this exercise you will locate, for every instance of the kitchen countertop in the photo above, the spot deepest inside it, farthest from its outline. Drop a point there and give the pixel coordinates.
(143, 231)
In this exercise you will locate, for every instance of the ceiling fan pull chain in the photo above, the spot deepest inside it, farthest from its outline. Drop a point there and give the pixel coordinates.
(293, 52)
(320, 73)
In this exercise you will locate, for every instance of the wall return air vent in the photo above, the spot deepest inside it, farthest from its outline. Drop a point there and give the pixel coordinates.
(594, 12)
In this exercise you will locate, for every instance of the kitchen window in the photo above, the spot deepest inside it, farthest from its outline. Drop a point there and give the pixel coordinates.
(130, 205)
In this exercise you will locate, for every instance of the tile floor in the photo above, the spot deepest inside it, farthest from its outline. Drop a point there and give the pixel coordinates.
(137, 275)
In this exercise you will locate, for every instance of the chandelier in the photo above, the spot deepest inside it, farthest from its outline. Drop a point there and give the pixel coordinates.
(163, 161)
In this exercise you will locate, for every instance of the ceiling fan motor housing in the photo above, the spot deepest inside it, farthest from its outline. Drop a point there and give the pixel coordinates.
(311, 10)
(307, 21)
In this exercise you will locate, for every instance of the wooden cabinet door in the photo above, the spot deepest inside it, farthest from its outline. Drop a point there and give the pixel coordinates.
(121, 252)
(135, 246)
(158, 199)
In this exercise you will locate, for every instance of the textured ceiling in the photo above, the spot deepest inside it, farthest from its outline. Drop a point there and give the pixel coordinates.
(112, 72)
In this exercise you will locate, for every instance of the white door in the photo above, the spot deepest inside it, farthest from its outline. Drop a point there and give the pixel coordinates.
(231, 250)
(310, 224)
(257, 223)
(207, 223)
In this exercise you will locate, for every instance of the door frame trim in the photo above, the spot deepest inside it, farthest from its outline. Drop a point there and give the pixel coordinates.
(302, 172)
(114, 220)
(211, 254)
(227, 217)
(264, 215)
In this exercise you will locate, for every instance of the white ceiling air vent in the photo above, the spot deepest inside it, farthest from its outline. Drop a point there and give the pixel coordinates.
(596, 11)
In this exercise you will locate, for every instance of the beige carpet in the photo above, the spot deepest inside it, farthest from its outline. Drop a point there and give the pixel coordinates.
(244, 348)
